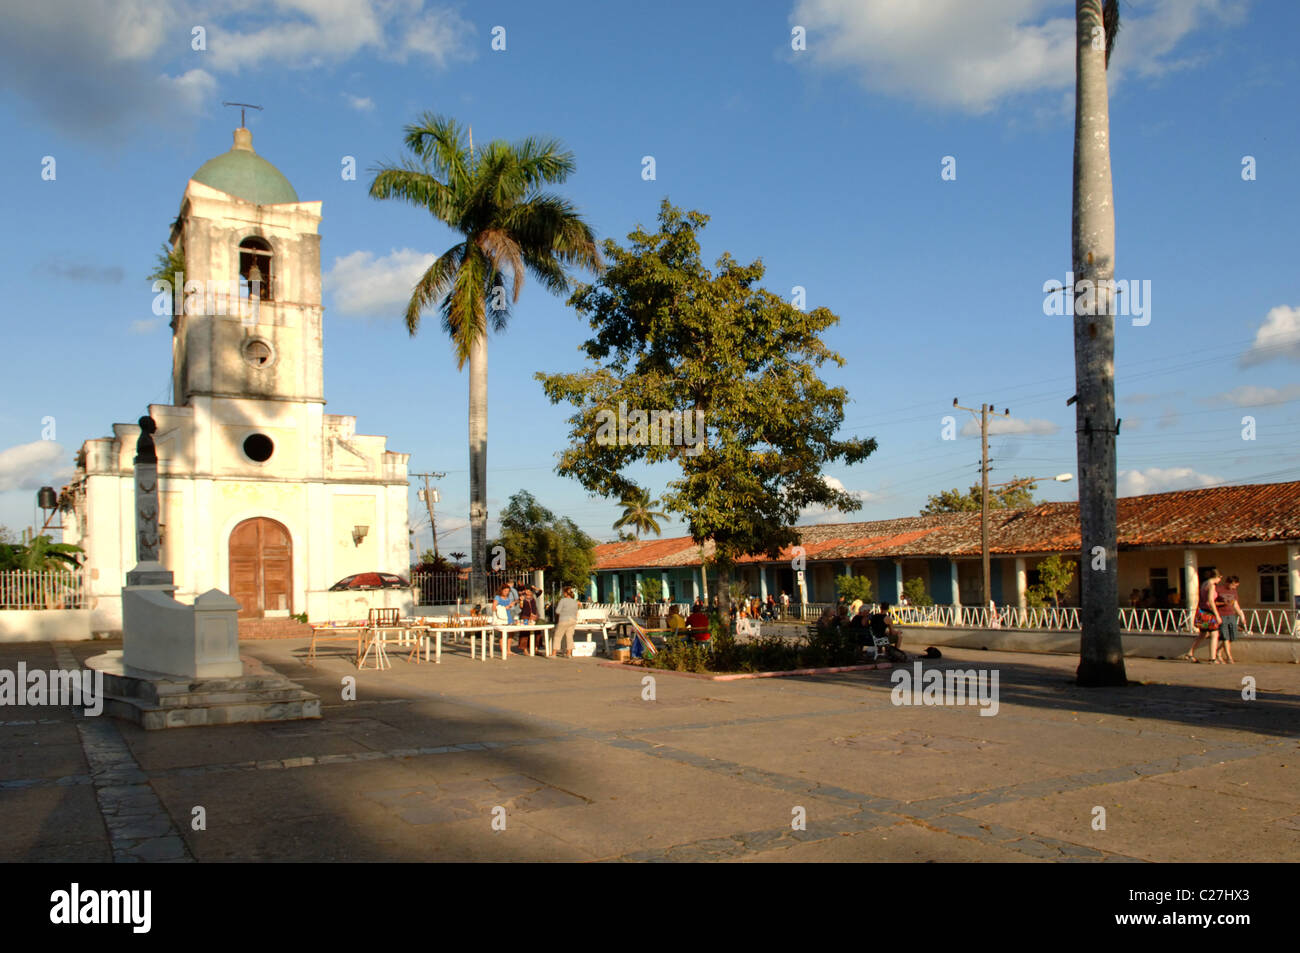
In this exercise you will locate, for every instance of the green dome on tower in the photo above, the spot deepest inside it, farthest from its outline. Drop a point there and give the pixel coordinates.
(241, 172)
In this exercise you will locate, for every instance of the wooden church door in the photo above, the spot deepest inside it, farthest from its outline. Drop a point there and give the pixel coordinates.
(261, 568)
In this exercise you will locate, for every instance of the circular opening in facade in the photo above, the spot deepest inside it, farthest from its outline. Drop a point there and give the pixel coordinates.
(258, 447)
(258, 353)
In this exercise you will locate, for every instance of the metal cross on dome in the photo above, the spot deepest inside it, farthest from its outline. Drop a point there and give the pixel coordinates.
(242, 107)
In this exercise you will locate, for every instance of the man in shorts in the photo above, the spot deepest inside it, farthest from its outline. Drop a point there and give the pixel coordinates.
(1230, 614)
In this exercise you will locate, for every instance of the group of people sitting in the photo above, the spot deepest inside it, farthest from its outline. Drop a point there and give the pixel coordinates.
(865, 626)
(695, 625)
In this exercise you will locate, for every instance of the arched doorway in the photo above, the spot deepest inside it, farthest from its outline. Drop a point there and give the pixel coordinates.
(261, 568)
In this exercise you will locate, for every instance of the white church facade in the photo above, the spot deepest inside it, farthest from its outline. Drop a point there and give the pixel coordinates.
(261, 493)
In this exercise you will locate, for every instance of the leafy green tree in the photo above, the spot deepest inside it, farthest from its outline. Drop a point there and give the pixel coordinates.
(736, 365)
(42, 554)
(639, 513)
(853, 588)
(1054, 577)
(652, 590)
(1015, 497)
(535, 538)
(495, 198)
(170, 264)
(916, 592)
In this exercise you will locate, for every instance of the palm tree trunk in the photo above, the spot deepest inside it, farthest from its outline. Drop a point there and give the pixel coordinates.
(1101, 653)
(478, 468)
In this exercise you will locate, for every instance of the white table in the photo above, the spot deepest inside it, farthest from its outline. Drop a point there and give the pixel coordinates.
(506, 630)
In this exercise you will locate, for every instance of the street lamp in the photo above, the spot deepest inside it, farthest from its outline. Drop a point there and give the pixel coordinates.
(984, 521)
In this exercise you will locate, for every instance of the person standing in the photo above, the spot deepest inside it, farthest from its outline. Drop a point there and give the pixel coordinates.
(504, 607)
(1207, 618)
(785, 603)
(1230, 612)
(566, 617)
(527, 616)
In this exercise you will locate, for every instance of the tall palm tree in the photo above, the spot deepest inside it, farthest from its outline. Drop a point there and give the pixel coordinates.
(639, 513)
(495, 198)
(1101, 653)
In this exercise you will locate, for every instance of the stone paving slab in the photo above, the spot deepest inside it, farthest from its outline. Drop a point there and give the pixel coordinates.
(586, 770)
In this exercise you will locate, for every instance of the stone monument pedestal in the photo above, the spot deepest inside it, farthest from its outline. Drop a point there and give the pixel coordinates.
(158, 700)
(180, 665)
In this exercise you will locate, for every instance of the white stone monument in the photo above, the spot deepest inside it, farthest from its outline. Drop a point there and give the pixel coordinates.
(180, 665)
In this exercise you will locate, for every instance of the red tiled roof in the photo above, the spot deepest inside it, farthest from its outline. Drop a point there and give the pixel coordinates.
(1230, 514)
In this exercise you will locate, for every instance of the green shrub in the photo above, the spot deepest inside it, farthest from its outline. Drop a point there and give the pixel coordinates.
(916, 592)
(854, 587)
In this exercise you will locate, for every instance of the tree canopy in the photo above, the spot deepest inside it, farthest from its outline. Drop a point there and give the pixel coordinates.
(1014, 497)
(535, 538)
(711, 373)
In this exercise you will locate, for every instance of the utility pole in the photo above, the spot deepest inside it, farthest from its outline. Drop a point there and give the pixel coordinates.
(984, 412)
(430, 496)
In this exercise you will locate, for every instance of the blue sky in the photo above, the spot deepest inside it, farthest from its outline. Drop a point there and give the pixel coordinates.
(824, 162)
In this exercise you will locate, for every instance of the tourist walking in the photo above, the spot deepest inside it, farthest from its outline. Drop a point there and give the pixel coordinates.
(566, 617)
(1207, 619)
(1230, 614)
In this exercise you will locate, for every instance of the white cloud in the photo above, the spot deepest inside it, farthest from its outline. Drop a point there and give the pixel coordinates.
(29, 466)
(1277, 337)
(314, 33)
(94, 68)
(1158, 480)
(822, 514)
(969, 56)
(1249, 395)
(1011, 425)
(360, 284)
(360, 103)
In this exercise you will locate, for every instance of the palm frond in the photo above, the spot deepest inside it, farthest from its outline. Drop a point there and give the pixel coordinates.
(418, 186)
(433, 285)
(1110, 22)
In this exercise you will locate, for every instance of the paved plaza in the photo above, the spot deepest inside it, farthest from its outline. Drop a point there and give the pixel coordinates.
(430, 760)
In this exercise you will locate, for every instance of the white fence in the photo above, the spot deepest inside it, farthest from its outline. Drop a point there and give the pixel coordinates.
(58, 589)
(1274, 622)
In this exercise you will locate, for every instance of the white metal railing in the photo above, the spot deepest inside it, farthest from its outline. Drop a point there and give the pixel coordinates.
(50, 589)
(1274, 622)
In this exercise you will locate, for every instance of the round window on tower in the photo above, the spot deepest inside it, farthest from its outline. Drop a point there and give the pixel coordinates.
(258, 353)
(258, 447)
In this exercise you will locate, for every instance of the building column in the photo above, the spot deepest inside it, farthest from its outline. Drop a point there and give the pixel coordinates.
(592, 588)
(1293, 567)
(614, 588)
(956, 586)
(898, 581)
(638, 586)
(1021, 578)
(663, 581)
(762, 582)
(1191, 581)
(695, 587)
(539, 580)
(848, 569)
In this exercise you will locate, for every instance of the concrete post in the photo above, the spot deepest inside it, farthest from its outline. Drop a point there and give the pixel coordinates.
(539, 581)
(663, 582)
(1021, 578)
(898, 580)
(595, 592)
(956, 586)
(1191, 584)
(1293, 568)
(762, 582)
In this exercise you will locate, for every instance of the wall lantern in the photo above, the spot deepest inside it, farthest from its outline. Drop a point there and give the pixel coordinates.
(359, 533)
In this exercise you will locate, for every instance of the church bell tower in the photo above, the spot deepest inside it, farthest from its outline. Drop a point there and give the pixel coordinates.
(250, 326)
